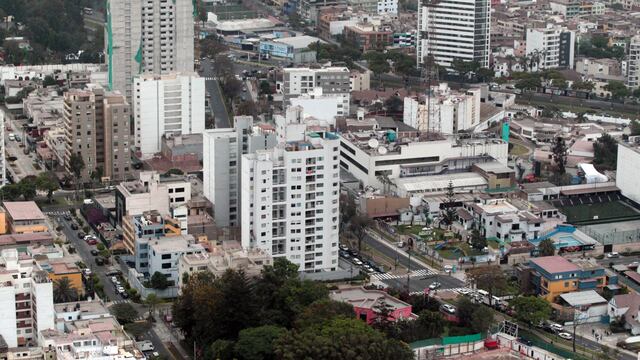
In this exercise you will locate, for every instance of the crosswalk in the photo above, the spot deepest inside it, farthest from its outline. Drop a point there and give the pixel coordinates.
(416, 273)
(57, 212)
(121, 301)
(210, 78)
(455, 290)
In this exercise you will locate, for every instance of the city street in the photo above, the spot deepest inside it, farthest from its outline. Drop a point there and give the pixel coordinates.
(23, 165)
(216, 101)
(84, 250)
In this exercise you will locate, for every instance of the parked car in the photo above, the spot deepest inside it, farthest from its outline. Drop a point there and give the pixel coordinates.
(353, 253)
(613, 255)
(434, 285)
(86, 272)
(464, 291)
(81, 235)
(345, 254)
(74, 226)
(449, 308)
(357, 261)
(120, 289)
(565, 335)
(556, 327)
(67, 217)
(92, 242)
(344, 247)
(145, 345)
(94, 252)
(114, 279)
(99, 261)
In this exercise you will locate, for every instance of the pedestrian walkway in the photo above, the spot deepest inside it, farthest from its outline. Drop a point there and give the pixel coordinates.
(455, 290)
(415, 273)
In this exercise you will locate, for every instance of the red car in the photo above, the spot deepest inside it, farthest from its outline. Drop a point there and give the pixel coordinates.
(92, 241)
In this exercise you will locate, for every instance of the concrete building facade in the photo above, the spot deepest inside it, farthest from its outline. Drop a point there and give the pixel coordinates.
(148, 37)
(553, 46)
(222, 155)
(454, 29)
(290, 201)
(633, 63)
(167, 105)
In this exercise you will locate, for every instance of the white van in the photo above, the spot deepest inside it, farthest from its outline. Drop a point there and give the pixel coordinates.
(145, 345)
(12, 136)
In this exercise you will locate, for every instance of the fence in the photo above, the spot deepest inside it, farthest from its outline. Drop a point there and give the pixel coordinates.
(135, 281)
(613, 237)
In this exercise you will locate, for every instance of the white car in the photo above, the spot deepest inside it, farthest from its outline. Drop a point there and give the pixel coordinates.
(565, 335)
(449, 308)
(120, 289)
(114, 279)
(357, 261)
(556, 327)
(613, 255)
(464, 291)
(87, 272)
(434, 285)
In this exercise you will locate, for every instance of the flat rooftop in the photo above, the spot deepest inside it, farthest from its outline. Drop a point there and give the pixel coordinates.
(23, 210)
(555, 264)
(176, 243)
(360, 297)
(582, 298)
(440, 182)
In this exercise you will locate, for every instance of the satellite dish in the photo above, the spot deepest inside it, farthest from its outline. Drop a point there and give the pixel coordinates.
(382, 150)
(373, 143)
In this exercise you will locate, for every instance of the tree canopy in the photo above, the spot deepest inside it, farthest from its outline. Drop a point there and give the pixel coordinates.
(605, 152)
(546, 248)
(531, 309)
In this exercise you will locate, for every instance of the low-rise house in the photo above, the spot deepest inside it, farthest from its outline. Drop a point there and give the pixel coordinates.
(365, 303)
(626, 306)
(24, 217)
(552, 276)
(228, 256)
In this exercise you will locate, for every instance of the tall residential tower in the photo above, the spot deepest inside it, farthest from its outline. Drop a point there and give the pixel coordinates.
(148, 37)
(454, 29)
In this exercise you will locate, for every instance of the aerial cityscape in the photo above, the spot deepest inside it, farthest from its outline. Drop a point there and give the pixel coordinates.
(319, 179)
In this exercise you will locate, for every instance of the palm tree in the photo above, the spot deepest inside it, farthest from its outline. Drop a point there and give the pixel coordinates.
(63, 291)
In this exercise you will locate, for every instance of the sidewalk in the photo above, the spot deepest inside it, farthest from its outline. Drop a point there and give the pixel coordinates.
(608, 340)
(166, 335)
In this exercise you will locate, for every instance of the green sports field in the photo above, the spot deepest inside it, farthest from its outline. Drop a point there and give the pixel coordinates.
(603, 211)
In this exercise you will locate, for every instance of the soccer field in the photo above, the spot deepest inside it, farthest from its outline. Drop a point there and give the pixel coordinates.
(603, 211)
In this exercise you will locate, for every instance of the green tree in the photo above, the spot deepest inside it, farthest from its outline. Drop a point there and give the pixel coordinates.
(559, 151)
(265, 88)
(489, 278)
(481, 319)
(124, 312)
(431, 324)
(10, 192)
(636, 93)
(528, 84)
(546, 248)
(63, 291)
(635, 127)
(212, 47)
(221, 350)
(485, 74)
(358, 226)
(340, 339)
(605, 151)
(449, 210)
(321, 311)
(257, 343)
(47, 182)
(152, 301)
(464, 311)
(138, 328)
(159, 281)
(28, 188)
(49, 81)
(583, 85)
(76, 165)
(394, 104)
(478, 241)
(617, 89)
(531, 309)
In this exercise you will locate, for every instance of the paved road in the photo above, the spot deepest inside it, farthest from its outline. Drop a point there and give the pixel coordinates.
(23, 166)
(420, 277)
(84, 250)
(216, 101)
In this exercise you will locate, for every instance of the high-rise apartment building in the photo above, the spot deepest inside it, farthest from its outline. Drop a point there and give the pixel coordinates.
(454, 29)
(26, 299)
(222, 154)
(551, 47)
(167, 105)
(332, 80)
(96, 124)
(79, 124)
(148, 37)
(290, 201)
(633, 63)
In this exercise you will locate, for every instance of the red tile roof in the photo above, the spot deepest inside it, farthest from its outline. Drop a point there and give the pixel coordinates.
(555, 264)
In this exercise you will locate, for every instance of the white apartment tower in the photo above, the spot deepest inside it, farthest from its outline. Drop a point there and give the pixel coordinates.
(222, 154)
(290, 201)
(633, 64)
(148, 37)
(167, 105)
(551, 47)
(26, 300)
(454, 29)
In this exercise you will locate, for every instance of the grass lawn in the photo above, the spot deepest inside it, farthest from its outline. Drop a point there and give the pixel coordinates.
(449, 253)
(468, 250)
(517, 150)
(493, 244)
(604, 211)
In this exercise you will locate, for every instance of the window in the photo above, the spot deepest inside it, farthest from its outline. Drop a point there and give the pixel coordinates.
(166, 265)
